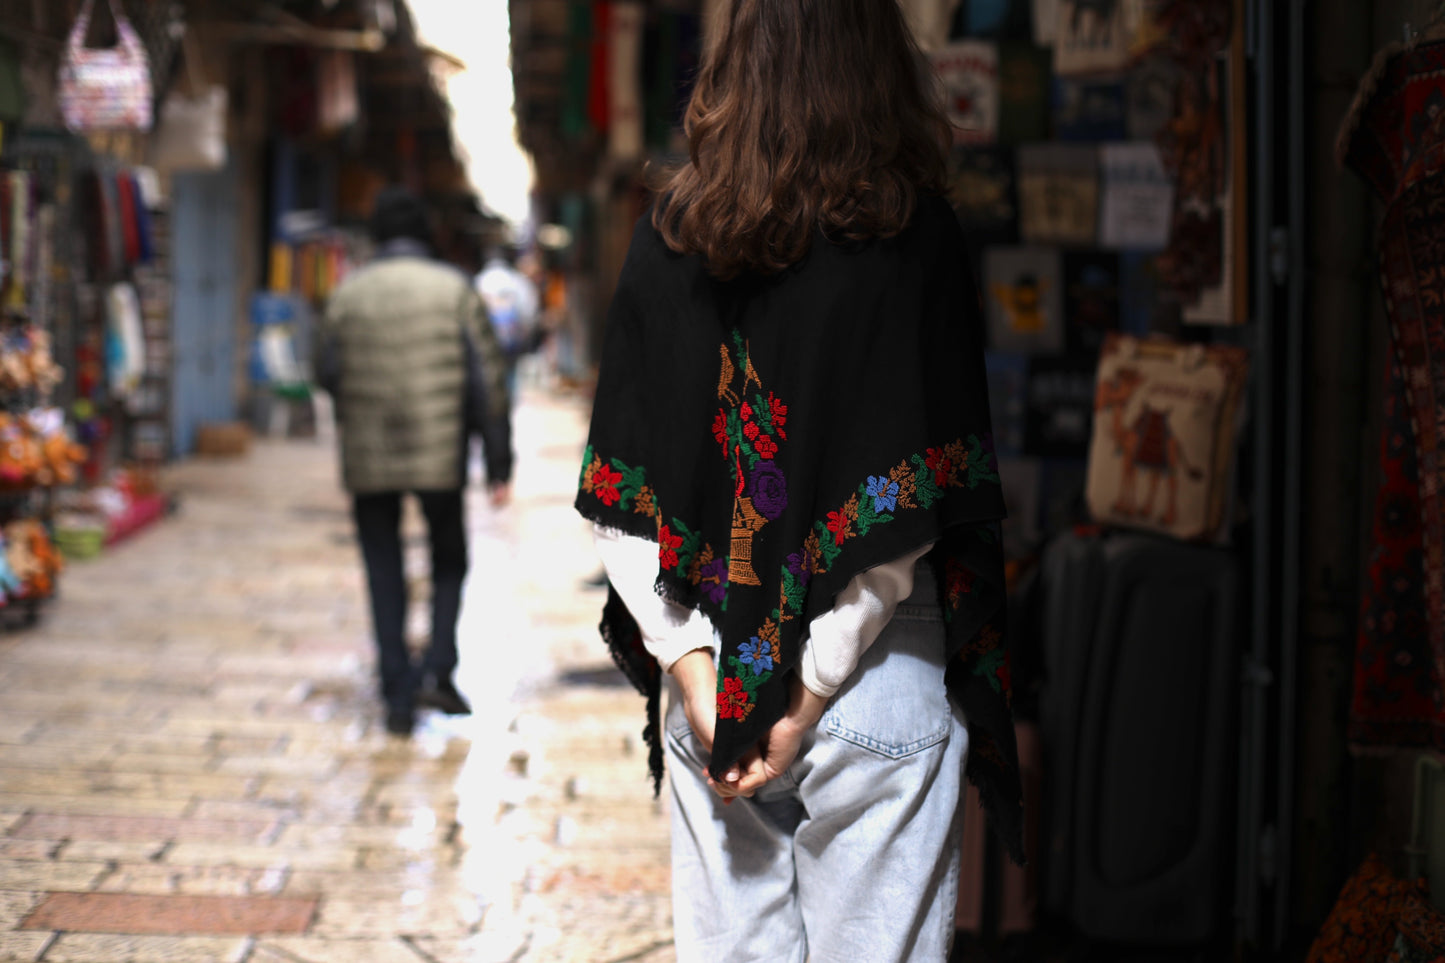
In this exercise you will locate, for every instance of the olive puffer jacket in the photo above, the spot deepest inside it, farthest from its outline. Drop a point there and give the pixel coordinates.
(394, 356)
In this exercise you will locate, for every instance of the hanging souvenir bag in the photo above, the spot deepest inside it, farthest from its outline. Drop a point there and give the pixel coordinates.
(1165, 422)
(105, 89)
(191, 133)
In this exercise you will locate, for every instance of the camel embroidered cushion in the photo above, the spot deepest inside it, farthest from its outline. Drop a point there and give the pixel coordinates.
(1162, 451)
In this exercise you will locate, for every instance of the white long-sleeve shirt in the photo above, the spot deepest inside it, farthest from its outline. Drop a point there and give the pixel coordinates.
(836, 639)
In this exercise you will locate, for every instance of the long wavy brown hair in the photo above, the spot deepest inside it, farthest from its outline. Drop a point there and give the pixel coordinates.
(806, 115)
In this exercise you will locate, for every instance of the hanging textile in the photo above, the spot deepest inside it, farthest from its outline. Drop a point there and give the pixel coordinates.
(1394, 137)
(599, 104)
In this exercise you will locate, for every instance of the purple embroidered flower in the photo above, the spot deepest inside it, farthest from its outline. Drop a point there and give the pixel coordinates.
(757, 654)
(884, 492)
(715, 580)
(798, 565)
(768, 490)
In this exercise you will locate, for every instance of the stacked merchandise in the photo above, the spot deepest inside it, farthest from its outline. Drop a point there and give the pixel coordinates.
(1097, 174)
(1092, 176)
(37, 454)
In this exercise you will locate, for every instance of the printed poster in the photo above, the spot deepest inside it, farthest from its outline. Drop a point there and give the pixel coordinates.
(1089, 110)
(983, 193)
(1046, 22)
(1093, 37)
(1091, 299)
(1059, 193)
(968, 72)
(1008, 392)
(1137, 205)
(1024, 292)
(1025, 88)
(1060, 418)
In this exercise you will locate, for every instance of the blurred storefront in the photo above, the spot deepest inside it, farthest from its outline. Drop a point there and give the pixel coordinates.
(1185, 346)
(162, 264)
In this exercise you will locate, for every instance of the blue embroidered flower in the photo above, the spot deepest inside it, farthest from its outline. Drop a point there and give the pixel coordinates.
(884, 492)
(757, 654)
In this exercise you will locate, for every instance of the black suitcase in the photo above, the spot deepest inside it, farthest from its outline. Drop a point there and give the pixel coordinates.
(1137, 717)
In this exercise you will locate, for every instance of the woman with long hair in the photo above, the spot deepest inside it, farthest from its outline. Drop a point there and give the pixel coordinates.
(796, 500)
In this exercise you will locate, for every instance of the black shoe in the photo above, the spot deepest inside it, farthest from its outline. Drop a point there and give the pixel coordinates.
(400, 720)
(443, 696)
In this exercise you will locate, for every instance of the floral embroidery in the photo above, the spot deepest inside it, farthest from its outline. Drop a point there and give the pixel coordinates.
(745, 431)
(733, 702)
(605, 482)
(720, 430)
(680, 550)
(917, 482)
(757, 655)
(768, 490)
(958, 582)
(644, 504)
(777, 416)
(667, 546)
(884, 492)
(713, 576)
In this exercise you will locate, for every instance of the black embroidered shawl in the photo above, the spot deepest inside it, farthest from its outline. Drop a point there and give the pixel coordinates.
(777, 436)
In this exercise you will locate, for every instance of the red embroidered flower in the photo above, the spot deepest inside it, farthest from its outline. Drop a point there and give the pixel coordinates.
(746, 411)
(667, 546)
(941, 464)
(1003, 674)
(720, 429)
(604, 485)
(765, 447)
(732, 702)
(838, 525)
(960, 583)
(751, 430)
(779, 414)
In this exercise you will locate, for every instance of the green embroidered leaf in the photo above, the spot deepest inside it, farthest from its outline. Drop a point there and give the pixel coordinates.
(794, 591)
(981, 465)
(988, 666)
(633, 480)
(763, 412)
(926, 490)
(744, 673)
(691, 543)
(827, 547)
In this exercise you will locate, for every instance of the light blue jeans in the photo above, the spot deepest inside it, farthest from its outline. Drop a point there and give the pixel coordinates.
(853, 854)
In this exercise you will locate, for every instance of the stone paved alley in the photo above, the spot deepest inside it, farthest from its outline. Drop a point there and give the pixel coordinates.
(193, 765)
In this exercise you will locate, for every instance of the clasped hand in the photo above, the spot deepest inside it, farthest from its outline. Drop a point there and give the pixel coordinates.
(774, 752)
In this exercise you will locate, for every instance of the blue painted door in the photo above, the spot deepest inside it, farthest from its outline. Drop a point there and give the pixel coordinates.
(204, 332)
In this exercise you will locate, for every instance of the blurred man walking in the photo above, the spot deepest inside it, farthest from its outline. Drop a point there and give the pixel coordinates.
(410, 356)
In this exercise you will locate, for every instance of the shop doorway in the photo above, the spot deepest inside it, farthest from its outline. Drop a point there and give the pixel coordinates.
(204, 345)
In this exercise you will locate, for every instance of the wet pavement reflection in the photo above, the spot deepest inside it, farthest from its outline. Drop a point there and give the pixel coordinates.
(193, 764)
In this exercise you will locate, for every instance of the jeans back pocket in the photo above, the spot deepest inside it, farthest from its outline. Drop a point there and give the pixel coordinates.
(895, 703)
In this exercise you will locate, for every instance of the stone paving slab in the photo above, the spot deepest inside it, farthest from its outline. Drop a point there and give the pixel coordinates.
(141, 914)
(196, 718)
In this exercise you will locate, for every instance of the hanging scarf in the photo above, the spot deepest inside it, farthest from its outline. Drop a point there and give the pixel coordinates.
(1394, 137)
(778, 436)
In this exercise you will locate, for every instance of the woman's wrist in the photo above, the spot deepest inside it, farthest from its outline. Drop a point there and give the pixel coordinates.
(805, 707)
(695, 669)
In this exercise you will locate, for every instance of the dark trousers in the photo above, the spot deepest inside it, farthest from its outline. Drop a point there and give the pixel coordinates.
(378, 527)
